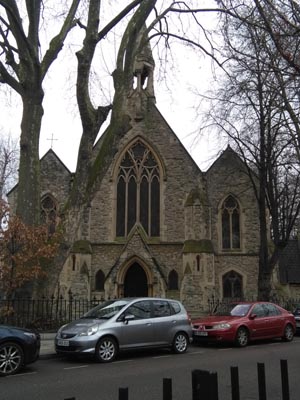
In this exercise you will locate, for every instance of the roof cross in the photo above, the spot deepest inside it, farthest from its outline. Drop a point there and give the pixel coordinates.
(52, 139)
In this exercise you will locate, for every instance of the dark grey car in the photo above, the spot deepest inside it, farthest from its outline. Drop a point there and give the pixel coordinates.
(126, 324)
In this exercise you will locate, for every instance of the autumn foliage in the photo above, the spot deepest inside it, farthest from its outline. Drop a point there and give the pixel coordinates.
(26, 252)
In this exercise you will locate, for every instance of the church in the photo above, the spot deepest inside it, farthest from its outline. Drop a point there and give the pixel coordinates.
(157, 225)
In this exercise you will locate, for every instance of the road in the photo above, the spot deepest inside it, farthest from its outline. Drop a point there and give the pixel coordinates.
(143, 373)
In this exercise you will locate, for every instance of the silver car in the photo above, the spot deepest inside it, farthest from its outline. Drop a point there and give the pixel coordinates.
(126, 324)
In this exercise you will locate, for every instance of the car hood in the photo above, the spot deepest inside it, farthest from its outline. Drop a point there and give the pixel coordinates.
(80, 325)
(215, 319)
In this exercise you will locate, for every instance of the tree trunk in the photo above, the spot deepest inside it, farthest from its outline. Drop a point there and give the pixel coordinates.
(28, 203)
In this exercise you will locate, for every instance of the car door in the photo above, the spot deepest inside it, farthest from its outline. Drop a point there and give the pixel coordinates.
(259, 327)
(275, 321)
(138, 330)
(164, 323)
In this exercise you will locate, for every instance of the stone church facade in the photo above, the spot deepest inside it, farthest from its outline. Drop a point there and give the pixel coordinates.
(158, 225)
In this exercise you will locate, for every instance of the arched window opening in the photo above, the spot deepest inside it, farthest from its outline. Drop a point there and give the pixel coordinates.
(138, 191)
(173, 280)
(230, 212)
(232, 285)
(99, 280)
(73, 262)
(49, 213)
(198, 263)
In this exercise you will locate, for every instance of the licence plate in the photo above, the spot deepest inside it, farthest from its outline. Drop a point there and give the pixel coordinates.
(200, 333)
(61, 342)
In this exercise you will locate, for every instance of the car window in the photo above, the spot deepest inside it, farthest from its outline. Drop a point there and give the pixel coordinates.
(106, 310)
(140, 309)
(175, 307)
(240, 310)
(273, 310)
(260, 310)
(161, 308)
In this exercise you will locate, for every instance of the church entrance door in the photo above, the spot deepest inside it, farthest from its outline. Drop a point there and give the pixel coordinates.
(135, 282)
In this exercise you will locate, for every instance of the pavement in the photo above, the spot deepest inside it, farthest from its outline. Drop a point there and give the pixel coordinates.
(47, 345)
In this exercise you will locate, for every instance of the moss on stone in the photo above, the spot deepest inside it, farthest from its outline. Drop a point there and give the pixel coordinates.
(82, 246)
(198, 246)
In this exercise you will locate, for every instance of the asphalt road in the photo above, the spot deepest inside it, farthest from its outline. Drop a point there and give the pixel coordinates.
(143, 373)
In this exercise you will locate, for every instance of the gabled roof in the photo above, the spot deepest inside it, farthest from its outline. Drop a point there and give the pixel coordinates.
(50, 152)
(289, 263)
(227, 154)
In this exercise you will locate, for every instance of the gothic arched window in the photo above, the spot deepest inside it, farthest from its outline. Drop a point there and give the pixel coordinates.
(99, 280)
(230, 213)
(232, 285)
(49, 213)
(138, 191)
(173, 280)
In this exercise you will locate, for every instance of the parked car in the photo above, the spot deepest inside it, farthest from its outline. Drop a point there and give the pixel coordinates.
(296, 314)
(243, 322)
(18, 347)
(126, 324)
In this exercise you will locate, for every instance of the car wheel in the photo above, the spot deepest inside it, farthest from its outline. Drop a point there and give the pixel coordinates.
(180, 343)
(11, 358)
(106, 350)
(242, 337)
(288, 334)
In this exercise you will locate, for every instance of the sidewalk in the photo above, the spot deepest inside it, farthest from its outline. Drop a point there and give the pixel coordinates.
(47, 345)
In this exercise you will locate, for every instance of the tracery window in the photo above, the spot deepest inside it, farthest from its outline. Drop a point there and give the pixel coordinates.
(232, 285)
(49, 213)
(138, 191)
(230, 212)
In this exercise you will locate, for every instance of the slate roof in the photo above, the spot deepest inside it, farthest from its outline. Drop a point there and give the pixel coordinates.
(289, 263)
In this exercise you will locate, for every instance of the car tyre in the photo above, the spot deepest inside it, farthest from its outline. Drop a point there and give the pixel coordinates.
(242, 337)
(106, 350)
(288, 334)
(11, 358)
(180, 343)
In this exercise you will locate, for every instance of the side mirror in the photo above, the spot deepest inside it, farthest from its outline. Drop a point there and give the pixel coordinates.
(252, 316)
(128, 317)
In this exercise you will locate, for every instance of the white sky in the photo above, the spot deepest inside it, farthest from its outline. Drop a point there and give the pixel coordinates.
(173, 98)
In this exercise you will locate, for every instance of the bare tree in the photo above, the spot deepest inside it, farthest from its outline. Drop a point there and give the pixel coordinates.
(252, 109)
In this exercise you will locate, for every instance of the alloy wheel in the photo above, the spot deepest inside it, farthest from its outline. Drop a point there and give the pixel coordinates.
(11, 358)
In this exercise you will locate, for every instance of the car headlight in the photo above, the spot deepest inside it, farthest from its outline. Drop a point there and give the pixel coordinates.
(90, 331)
(222, 326)
(30, 334)
(60, 329)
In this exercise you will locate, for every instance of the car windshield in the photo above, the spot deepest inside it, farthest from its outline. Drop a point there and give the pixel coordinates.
(234, 310)
(106, 310)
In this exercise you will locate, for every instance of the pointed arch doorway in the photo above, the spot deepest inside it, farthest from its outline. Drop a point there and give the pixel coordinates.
(135, 281)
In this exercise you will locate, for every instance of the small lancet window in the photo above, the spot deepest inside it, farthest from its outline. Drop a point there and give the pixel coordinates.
(173, 280)
(230, 213)
(99, 280)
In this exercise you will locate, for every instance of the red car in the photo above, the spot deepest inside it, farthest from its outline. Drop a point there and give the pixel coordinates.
(243, 322)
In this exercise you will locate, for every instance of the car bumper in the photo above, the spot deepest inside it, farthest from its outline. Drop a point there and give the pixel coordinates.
(84, 345)
(213, 336)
